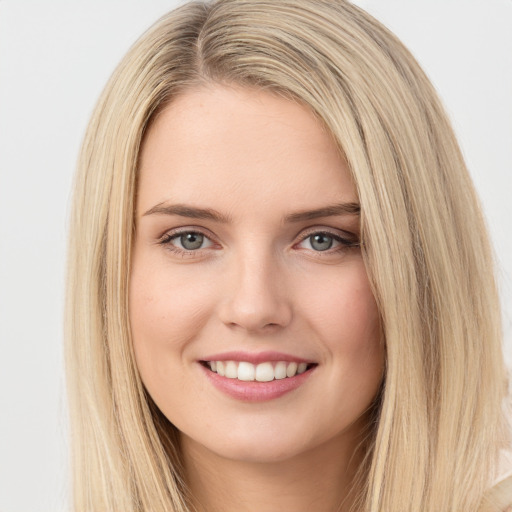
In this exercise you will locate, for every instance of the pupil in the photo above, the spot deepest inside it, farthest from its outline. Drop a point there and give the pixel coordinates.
(321, 242)
(191, 241)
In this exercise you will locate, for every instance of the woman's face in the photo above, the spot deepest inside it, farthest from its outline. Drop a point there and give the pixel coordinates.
(246, 259)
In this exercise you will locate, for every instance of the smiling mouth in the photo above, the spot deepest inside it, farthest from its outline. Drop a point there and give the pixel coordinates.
(262, 372)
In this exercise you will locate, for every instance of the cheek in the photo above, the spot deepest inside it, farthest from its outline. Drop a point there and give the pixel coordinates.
(166, 313)
(345, 308)
(164, 304)
(344, 315)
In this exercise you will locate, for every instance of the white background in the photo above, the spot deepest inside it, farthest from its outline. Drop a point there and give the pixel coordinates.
(55, 57)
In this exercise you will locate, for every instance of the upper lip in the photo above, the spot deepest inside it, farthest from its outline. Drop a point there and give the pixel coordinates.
(256, 357)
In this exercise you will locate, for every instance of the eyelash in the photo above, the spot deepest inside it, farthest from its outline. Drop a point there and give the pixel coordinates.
(345, 243)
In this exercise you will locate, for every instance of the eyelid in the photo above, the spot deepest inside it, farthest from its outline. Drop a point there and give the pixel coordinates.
(171, 233)
(334, 232)
(166, 238)
(344, 238)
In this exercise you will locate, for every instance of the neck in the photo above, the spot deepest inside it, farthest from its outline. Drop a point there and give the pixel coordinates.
(321, 479)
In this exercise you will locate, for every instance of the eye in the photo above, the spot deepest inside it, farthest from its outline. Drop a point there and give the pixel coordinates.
(186, 241)
(191, 241)
(321, 241)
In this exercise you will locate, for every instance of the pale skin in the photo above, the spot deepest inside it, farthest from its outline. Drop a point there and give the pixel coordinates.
(258, 275)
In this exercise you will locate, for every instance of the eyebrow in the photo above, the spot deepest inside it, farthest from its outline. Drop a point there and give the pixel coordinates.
(327, 211)
(188, 211)
(194, 212)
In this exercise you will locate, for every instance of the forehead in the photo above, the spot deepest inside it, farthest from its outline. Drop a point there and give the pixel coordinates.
(240, 148)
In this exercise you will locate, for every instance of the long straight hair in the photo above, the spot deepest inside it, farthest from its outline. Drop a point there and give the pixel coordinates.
(439, 422)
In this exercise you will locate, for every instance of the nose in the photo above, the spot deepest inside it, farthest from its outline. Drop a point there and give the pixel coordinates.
(256, 298)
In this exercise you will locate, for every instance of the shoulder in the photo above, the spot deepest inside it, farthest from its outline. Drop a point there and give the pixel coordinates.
(499, 497)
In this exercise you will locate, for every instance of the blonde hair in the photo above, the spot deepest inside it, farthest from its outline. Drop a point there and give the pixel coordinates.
(439, 420)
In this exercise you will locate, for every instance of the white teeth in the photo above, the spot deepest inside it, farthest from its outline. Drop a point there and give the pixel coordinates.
(263, 372)
(246, 371)
(302, 367)
(280, 370)
(291, 369)
(231, 371)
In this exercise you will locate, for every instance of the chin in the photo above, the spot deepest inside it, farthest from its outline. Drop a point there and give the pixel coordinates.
(260, 452)
(261, 444)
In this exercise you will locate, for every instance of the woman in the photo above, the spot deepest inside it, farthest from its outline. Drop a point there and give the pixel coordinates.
(280, 285)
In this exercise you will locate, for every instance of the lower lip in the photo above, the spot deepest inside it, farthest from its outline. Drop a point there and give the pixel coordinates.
(253, 391)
